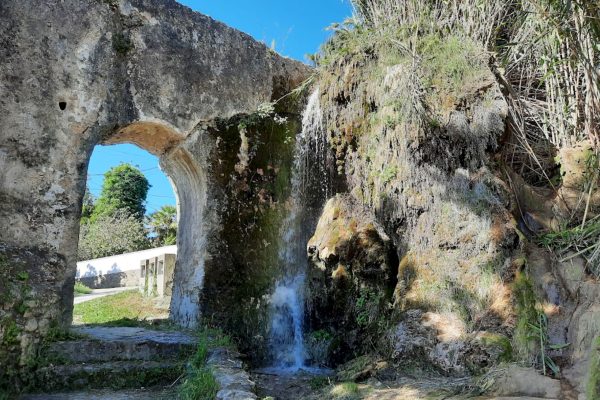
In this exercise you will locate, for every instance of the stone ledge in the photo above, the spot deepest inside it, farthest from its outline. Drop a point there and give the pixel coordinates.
(228, 370)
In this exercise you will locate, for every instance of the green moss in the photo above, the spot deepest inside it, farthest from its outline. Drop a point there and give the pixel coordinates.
(527, 315)
(593, 380)
(501, 342)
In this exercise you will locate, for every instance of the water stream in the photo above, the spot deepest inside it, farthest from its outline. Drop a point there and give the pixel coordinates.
(310, 188)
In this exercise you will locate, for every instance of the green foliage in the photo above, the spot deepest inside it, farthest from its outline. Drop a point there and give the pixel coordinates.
(531, 331)
(581, 239)
(120, 41)
(501, 342)
(367, 306)
(345, 391)
(57, 333)
(321, 335)
(163, 224)
(389, 173)
(200, 383)
(593, 379)
(88, 206)
(449, 65)
(124, 189)
(112, 234)
(319, 382)
(23, 276)
(11, 332)
(80, 288)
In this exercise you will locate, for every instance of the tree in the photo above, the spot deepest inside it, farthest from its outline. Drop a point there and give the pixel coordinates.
(124, 188)
(111, 234)
(163, 224)
(88, 206)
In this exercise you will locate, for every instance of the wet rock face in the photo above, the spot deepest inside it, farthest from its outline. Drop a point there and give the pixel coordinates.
(351, 277)
(349, 243)
(149, 72)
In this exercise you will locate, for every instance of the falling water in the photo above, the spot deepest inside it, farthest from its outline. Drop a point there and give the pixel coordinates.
(310, 187)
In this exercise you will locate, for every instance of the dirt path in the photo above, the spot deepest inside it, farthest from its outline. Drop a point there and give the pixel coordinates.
(97, 293)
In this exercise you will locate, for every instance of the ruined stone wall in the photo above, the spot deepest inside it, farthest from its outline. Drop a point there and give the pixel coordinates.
(76, 73)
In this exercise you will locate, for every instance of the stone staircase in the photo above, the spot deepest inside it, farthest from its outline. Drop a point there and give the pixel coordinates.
(113, 358)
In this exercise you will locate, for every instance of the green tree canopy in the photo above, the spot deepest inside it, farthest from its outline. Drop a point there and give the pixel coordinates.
(163, 224)
(112, 234)
(88, 206)
(124, 188)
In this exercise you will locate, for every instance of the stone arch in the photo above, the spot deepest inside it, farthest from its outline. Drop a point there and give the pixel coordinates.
(153, 73)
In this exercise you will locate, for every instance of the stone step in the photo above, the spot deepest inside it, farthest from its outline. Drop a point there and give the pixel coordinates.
(156, 393)
(93, 351)
(114, 375)
(104, 344)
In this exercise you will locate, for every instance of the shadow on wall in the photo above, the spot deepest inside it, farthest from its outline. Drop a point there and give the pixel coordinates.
(111, 280)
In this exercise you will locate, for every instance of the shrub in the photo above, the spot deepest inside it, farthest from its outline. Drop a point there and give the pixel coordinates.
(80, 288)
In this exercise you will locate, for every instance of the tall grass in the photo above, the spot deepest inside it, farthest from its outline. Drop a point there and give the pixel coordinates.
(545, 54)
(200, 383)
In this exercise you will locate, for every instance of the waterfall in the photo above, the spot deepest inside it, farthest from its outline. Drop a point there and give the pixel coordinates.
(310, 187)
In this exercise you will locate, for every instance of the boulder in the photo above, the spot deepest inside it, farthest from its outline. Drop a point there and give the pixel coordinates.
(521, 381)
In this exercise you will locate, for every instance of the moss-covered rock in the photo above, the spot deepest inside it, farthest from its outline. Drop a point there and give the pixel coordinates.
(352, 276)
(253, 164)
(593, 378)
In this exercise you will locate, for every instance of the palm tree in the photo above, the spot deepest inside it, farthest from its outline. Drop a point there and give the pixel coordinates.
(163, 224)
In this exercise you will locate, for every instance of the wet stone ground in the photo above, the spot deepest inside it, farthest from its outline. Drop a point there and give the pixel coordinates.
(285, 387)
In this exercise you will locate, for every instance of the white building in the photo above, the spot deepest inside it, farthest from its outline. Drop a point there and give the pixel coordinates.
(117, 271)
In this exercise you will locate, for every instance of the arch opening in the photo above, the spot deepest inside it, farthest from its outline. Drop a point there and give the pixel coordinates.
(169, 272)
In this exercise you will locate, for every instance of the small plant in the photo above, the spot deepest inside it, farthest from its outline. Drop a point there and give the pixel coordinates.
(389, 173)
(200, 384)
(121, 43)
(345, 391)
(367, 306)
(23, 276)
(582, 240)
(318, 382)
(11, 332)
(80, 288)
(531, 333)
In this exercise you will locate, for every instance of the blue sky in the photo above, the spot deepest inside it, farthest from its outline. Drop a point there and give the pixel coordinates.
(295, 27)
